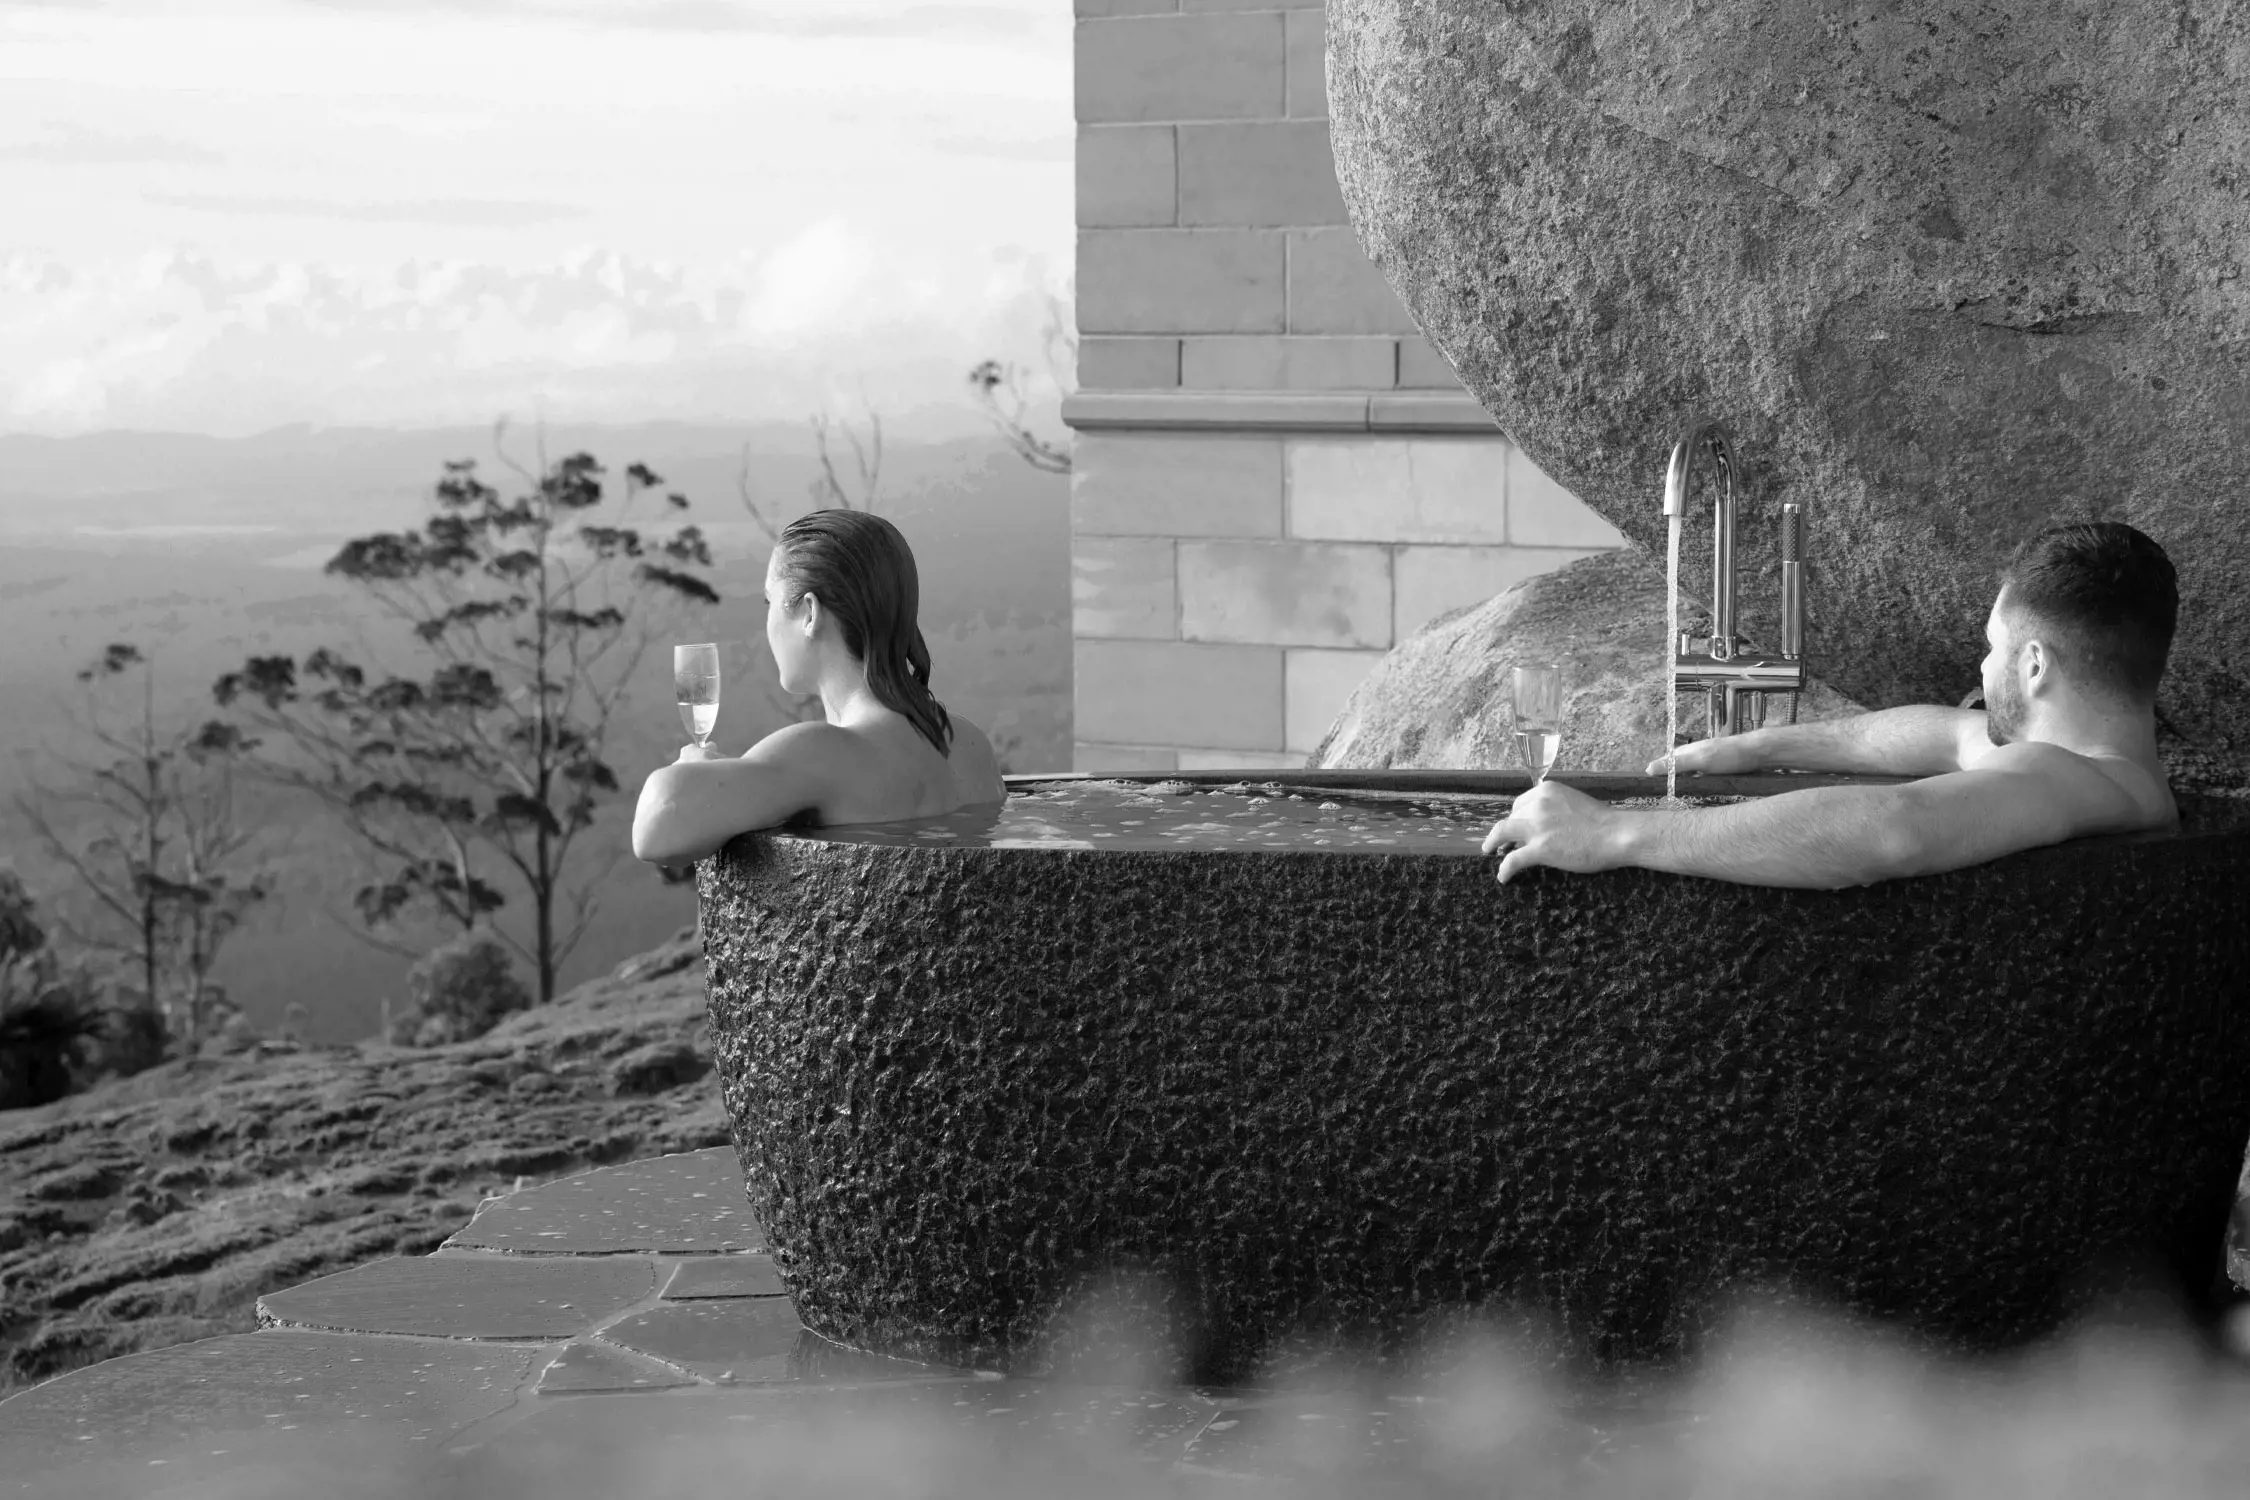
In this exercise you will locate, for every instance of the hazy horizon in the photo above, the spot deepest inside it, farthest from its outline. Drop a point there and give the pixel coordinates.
(204, 564)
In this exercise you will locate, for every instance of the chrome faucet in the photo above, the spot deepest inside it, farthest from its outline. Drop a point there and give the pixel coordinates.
(1735, 680)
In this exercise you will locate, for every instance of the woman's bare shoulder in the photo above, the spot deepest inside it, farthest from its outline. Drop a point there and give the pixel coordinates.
(808, 742)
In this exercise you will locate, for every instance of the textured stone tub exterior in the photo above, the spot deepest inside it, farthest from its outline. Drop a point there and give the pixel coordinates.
(1337, 1097)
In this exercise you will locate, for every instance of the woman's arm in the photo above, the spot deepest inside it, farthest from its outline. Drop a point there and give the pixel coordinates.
(1917, 740)
(691, 808)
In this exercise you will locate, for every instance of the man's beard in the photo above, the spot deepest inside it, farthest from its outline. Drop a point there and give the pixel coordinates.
(2003, 710)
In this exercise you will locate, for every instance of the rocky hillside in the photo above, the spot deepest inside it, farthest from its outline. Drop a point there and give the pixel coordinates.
(158, 1208)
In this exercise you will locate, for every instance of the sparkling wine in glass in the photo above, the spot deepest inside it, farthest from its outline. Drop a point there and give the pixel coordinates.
(695, 682)
(1538, 695)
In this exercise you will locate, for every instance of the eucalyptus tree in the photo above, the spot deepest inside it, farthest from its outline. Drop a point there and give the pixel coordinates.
(143, 816)
(472, 769)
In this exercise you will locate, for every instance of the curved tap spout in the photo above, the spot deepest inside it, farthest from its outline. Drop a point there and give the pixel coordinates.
(1709, 437)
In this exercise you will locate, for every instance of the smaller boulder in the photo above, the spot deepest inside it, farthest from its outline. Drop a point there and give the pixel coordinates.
(1441, 699)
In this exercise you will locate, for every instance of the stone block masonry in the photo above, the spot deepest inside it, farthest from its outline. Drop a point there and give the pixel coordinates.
(1128, 176)
(1302, 559)
(1167, 694)
(1181, 280)
(1275, 477)
(1182, 67)
(1265, 173)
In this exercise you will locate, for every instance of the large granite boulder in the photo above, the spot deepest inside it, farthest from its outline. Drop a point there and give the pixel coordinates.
(1949, 271)
(1440, 700)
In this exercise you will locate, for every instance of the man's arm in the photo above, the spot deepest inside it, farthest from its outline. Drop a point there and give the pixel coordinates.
(691, 808)
(1826, 838)
(1917, 740)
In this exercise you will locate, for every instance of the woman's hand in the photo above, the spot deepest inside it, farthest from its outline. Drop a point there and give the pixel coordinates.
(702, 752)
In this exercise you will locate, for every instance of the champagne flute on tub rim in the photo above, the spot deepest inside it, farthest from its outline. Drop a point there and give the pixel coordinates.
(695, 682)
(1538, 704)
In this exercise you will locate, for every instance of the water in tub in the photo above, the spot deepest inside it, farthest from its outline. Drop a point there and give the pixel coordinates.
(1267, 815)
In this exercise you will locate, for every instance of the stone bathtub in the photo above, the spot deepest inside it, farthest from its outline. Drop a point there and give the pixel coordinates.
(1337, 1095)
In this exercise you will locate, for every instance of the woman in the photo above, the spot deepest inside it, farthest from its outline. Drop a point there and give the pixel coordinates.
(841, 599)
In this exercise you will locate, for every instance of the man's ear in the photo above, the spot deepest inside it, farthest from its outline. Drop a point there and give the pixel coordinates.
(2037, 664)
(812, 615)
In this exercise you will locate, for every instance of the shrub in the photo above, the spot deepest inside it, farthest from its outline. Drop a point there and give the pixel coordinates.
(48, 1023)
(61, 1026)
(459, 991)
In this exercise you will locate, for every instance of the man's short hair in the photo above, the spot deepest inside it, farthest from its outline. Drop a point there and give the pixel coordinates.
(2105, 596)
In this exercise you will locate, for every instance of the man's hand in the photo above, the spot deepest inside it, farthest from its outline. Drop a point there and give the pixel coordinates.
(1916, 740)
(702, 752)
(1719, 757)
(1553, 825)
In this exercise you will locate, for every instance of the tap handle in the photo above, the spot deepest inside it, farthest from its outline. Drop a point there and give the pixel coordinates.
(1792, 587)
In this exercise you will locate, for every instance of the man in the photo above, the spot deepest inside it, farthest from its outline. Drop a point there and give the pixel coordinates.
(2066, 746)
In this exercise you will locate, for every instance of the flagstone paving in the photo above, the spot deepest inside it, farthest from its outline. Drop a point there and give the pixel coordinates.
(623, 1332)
(689, 1204)
(466, 1297)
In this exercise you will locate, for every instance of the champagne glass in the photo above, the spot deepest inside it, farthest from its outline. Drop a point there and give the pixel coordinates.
(695, 682)
(1538, 695)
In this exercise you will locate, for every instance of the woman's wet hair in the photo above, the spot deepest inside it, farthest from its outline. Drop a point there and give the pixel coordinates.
(861, 570)
(2105, 594)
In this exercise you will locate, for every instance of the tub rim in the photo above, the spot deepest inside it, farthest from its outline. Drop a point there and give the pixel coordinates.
(2215, 816)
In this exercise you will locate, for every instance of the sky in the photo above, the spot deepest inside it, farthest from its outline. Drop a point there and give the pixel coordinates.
(228, 217)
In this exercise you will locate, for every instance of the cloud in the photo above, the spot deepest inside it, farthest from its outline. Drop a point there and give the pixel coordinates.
(75, 145)
(839, 20)
(181, 340)
(792, 18)
(468, 212)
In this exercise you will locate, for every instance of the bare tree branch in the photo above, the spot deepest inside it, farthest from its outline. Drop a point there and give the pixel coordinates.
(997, 388)
(998, 391)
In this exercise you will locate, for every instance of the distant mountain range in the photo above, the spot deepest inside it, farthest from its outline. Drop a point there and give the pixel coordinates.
(208, 550)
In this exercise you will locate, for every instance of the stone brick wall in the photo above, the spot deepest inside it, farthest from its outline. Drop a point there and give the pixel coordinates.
(1276, 478)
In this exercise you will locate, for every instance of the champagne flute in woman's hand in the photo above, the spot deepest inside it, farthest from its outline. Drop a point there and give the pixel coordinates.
(1538, 695)
(695, 682)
